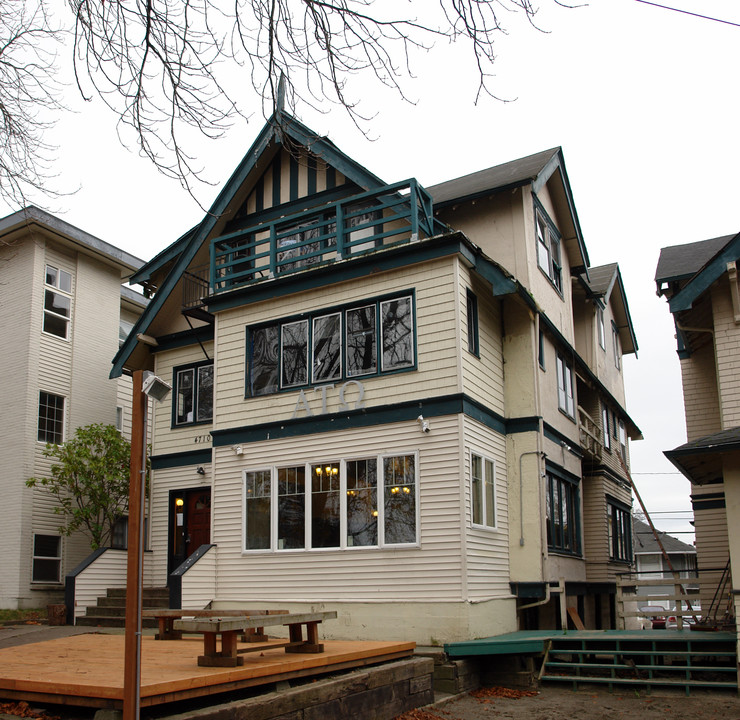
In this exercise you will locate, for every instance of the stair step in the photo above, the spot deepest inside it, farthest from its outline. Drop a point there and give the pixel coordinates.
(109, 621)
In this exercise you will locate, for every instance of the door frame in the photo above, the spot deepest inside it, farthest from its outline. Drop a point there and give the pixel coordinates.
(174, 560)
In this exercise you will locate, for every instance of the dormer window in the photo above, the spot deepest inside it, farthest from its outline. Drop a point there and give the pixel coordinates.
(548, 251)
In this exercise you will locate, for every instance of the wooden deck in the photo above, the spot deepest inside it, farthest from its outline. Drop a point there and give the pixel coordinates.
(87, 670)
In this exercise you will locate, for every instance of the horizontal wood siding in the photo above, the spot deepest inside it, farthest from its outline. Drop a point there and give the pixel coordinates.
(483, 376)
(199, 581)
(487, 550)
(436, 336)
(362, 574)
(108, 571)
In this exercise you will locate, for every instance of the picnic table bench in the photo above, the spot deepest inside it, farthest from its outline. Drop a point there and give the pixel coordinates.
(229, 628)
(167, 616)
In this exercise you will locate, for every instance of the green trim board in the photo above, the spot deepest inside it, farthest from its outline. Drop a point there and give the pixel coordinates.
(186, 338)
(704, 278)
(181, 459)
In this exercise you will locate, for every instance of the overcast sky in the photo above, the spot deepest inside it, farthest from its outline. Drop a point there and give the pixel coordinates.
(643, 101)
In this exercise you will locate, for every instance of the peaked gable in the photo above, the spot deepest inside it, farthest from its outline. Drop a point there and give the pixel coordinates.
(285, 148)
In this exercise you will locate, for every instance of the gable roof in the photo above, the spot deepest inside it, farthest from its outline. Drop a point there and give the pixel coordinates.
(279, 130)
(709, 273)
(535, 170)
(644, 542)
(605, 282)
(680, 262)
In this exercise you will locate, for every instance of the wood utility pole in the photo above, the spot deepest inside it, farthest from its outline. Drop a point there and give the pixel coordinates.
(135, 556)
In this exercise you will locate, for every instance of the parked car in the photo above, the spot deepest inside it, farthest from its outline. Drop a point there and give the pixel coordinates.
(655, 619)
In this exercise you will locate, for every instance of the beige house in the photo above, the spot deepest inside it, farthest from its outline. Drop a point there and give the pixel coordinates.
(64, 315)
(700, 282)
(405, 405)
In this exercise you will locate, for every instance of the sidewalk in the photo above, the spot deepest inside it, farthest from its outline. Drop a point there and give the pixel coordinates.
(24, 633)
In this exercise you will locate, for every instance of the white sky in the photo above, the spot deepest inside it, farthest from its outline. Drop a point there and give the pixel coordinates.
(643, 101)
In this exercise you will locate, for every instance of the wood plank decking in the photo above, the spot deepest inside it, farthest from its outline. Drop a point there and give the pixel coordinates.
(87, 670)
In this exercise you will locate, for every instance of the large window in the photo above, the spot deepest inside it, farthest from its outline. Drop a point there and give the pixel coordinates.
(51, 418)
(562, 508)
(566, 401)
(548, 251)
(350, 342)
(193, 396)
(620, 532)
(47, 559)
(483, 490)
(367, 502)
(57, 302)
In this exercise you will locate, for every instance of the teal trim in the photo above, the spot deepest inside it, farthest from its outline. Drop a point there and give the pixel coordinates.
(557, 437)
(144, 274)
(703, 280)
(522, 425)
(392, 259)
(276, 177)
(204, 333)
(181, 459)
(365, 417)
(606, 471)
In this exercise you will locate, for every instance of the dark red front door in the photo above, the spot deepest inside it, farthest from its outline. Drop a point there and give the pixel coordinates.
(190, 524)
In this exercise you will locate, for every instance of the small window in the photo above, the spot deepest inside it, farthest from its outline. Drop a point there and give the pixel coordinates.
(119, 418)
(193, 396)
(600, 326)
(472, 317)
(620, 533)
(327, 348)
(605, 427)
(566, 401)
(483, 490)
(47, 559)
(57, 302)
(51, 418)
(541, 349)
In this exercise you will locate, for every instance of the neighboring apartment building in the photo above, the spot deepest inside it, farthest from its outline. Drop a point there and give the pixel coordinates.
(404, 405)
(63, 309)
(657, 558)
(700, 282)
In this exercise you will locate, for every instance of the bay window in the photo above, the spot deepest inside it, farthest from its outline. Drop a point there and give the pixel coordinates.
(366, 502)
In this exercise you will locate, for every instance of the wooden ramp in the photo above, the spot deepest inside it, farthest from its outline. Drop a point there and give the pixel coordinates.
(87, 670)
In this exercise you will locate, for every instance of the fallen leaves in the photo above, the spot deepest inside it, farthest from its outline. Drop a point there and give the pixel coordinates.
(22, 709)
(501, 692)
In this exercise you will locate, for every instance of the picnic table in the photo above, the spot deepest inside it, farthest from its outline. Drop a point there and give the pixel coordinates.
(167, 616)
(230, 627)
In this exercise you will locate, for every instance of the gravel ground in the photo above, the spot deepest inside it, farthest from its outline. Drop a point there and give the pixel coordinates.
(555, 702)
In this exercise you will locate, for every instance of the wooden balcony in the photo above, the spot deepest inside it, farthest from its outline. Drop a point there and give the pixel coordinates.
(589, 435)
(362, 224)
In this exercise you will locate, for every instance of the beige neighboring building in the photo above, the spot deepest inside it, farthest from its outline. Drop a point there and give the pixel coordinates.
(700, 282)
(64, 316)
(405, 405)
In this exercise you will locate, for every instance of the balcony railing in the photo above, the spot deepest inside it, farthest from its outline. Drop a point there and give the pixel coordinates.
(337, 231)
(590, 435)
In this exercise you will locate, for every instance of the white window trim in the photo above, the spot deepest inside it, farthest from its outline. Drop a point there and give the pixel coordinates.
(64, 419)
(343, 545)
(601, 328)
(35, 557)
(57, 289)
(566, 391)
(484, 458)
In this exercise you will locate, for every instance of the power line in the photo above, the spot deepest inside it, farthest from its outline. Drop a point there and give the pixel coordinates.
(686, 12)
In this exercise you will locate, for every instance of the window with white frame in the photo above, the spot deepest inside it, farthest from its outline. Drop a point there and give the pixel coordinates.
(366, 502)
(47, 559)
(620, 531)
(562, 507)
(605, 427)
(622, 440)
(600, 327)
(346, 343)
(193, 396)
(483, 490)
(57, 302)
(566, 400)
(548, 251)
(50, 418)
